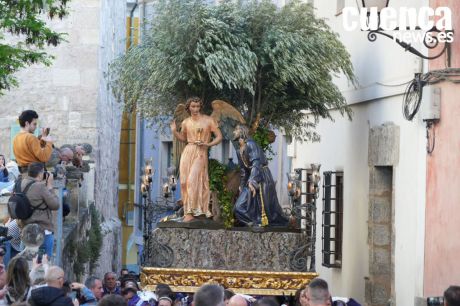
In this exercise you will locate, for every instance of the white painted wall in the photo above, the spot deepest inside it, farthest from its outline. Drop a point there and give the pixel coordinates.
(344, 146)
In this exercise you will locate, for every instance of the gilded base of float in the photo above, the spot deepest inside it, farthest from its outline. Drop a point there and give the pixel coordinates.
(247, 282)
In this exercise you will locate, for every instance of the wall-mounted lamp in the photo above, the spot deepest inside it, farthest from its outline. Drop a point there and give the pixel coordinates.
(383, 19)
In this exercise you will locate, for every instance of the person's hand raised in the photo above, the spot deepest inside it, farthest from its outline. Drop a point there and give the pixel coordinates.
(45, 135)
(76, 286)
(35, 264)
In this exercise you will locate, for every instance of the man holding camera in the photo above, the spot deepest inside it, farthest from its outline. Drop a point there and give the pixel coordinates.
(91, 292)
(26, 147)
(43, 200)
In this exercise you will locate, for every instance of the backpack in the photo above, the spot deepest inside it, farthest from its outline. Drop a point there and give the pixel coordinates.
(19, 206)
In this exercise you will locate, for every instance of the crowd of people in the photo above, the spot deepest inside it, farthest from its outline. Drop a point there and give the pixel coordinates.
(39, 283)
(45, 285)
(22, 286)
(30, 179)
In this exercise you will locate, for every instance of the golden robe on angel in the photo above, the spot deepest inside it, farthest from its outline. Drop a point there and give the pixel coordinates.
(193, 167)
(191, 144)
(195, 133)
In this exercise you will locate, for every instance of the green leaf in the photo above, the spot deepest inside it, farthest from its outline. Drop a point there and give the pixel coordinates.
(278, 62)
(25, 21)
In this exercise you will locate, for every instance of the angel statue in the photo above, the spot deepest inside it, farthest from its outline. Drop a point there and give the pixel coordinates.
(190, 146)
(196, 131)
(257, 204)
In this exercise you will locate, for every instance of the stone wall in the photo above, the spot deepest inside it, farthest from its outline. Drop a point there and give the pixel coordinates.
(64, 94)
(383, 156)
(73, 98)
(113, 22)
(222, 249)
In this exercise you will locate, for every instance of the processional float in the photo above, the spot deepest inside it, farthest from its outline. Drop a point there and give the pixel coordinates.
(271, 252)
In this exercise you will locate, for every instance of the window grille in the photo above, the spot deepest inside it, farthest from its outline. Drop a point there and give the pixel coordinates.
(332, 227)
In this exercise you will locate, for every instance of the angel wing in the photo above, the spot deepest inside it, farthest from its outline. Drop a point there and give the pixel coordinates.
(222, 109)
(255, 125)
(227, 117)
(180, 114)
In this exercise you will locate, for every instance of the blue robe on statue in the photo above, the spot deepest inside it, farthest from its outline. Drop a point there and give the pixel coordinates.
(263, 209)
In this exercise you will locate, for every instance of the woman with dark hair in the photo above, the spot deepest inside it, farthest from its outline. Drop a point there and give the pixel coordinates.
(3, 170)
(18, 281)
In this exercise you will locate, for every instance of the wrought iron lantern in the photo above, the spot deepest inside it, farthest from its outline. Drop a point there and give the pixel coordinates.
(430, 37)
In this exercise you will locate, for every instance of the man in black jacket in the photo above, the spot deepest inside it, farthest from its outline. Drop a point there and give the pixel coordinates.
(51, 294)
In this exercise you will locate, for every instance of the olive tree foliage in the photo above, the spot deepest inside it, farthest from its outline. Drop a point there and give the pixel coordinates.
(275, 65)
(24, 35)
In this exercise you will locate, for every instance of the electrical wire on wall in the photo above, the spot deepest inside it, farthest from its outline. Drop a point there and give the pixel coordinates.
(413, 97)
(413, 94)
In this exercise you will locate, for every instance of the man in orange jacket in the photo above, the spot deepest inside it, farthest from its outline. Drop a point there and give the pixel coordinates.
(26, 147)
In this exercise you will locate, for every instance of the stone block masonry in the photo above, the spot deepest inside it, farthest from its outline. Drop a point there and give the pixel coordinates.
(64, 93)
(383, 156)
(72, 97)
(224, 249)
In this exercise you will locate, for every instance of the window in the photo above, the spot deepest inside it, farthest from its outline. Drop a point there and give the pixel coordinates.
(332, 219)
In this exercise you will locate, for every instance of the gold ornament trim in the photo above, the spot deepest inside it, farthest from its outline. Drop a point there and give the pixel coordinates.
(247, 282)
(264, 215)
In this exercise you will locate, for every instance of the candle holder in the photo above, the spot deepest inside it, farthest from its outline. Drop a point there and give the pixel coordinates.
(199, 132)
(154, 210)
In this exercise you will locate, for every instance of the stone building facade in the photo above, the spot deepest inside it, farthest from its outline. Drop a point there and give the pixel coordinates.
(371, 205)
(73, 98)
